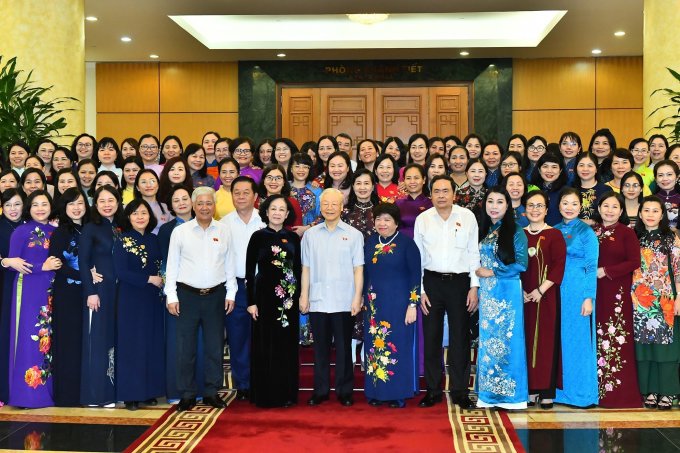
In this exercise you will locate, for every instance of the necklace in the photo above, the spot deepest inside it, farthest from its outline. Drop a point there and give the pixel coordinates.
(363, 206)
(537, 231)
(388, 242)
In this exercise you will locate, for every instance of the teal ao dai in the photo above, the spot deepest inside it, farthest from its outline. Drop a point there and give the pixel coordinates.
(501, 358)
(579, 347)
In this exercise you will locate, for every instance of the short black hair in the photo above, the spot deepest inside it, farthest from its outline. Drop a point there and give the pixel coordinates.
(391, 209)
(96, 217)
(243, 178)
(131, 207)
(446, 178)
(29, 200)
(71, 194)
(290, 218)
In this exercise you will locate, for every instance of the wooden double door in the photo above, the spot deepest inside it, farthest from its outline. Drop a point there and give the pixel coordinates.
(374, 112)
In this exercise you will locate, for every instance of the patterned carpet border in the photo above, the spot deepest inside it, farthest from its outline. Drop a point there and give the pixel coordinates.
(179, 431)
(482, 430)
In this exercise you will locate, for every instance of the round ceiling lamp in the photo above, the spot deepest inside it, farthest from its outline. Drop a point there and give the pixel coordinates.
(368, 19)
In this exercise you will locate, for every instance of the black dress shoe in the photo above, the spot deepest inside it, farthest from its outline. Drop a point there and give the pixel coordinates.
(345, 400)
(131, 405)
(374, 403)
(430, 400)
(243, 394)
(397, 404)
(315, 400)
(185, 404)
(464, 402)
(214, 401)
(151, 402)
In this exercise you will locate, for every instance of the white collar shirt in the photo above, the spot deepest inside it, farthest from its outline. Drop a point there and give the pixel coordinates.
(451, 245)
(200, 258)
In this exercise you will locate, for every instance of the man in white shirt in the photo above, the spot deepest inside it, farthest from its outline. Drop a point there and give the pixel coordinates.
(344, 142)
(447, 237)
(242, 223)
(200, 284)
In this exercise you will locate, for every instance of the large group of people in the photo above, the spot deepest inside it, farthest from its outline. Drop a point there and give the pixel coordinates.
(126, 268)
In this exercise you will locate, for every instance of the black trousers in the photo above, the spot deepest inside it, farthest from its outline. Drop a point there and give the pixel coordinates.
(208, 312)
(447, 296)
(326, 327)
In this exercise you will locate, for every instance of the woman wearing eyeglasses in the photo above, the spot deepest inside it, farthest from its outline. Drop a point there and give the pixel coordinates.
(639, 147)
(541, 284)
(537, 147)
(570, 147)
(150, 150)
(274, 182)
(631, 189)
(83, 146)
(242, 151)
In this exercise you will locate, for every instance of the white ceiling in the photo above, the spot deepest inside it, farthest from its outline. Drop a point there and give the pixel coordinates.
(588, 24)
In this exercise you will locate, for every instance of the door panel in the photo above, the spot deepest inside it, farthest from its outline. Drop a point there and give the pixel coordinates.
(448, 111)
(401, 112)
(348, 110)
(300, 114)
(307, 113)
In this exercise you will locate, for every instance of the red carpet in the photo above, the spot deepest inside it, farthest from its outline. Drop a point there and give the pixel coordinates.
(330, 428)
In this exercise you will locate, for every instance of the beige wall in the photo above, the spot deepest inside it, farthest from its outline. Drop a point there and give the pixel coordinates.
(49, 38)
(183, 99)
(552, 96)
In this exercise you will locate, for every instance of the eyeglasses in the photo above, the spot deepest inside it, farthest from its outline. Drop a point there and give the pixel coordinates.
(508, 164)
(301, 167)
(532, 206)
(241, 151)
(148, 147)
(631, 186)
(270, 178)
(17, 205)
(84, 145)
(147, 182)
(537, 148)
(566, 143)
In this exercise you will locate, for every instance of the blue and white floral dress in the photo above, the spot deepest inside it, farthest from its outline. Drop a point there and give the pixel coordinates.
(501, 358)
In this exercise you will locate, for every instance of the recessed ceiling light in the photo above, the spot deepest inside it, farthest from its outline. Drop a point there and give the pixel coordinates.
(281, 55)
(464, 53)
(126, 39)
(492, 65)
(596, 51)
(91, 19)
(620, 33)
(153, 55)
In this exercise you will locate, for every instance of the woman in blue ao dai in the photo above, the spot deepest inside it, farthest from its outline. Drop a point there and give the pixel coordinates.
(577, 292)
(501, 359)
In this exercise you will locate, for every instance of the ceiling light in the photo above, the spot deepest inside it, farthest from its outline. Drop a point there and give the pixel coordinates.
(620, 33)
(153, 55)
(596, 51)
(368, 19)
(492, 65)
(464, 53)
(91, 19)
(281, 55)
(407, 31)
(126, 39)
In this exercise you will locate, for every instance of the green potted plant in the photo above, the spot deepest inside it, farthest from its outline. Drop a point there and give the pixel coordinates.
(669, 125)
(25, 114)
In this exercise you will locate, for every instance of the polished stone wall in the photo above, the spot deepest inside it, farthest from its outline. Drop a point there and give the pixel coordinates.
(491, 80)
